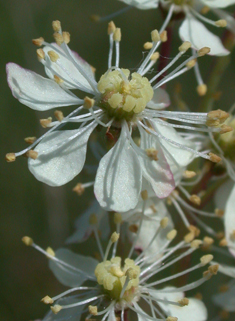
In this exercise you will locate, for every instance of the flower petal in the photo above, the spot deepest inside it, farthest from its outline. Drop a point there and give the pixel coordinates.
(80, 268)
(194, 31)
(229, 221)
(142, 4)
(160, 99)
(61, 156)
(157, 173)
(226, 300)
(119, 177)
(218, 3)
(69, 69)
(228, 17)
(35, 91)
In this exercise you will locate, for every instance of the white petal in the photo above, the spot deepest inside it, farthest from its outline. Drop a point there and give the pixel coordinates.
(229, 221)
(84, 228)
(61, 156)
(225, 269)
(82, 268)
(160, 99)
(72, 314)
(218, 3)
(142, 4)
(226, 300)
(70, 69)
(35, 91)
(157, 173)
(195, 311)
(194, 31)
(118, 179)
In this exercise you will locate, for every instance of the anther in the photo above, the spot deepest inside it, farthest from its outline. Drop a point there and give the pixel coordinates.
(164, 222)
(58, 38)
(221, 23)
(117, 35)
(196, 244)
(45, 122)
(53, 55)
(116, 271)
(93, 309)
(58, 80)
(219, 212)
(56, 308)
(223, 288)
(148, 45)
(225, 129)
(185, 46)
(172, 319)
(184, 301)
(32, 154)
(114, 237)
(79, 189)
(27, 240)
(189, 237)
(56, 25)
(207, 241)
(133, 228)
(205, 10)
(198, 296)
(223, 242)
(50, 251)
(40, 54)
(144, 195)
(155, 36)
(214, 269)
(111, 27)
(163, 36)
(47, 300)
(214, 158)
(194, 229)
(93, 219)
(30, 140)
(131, 274)
(88, 102)
(117, 218)
(220, 235)
(155, 56)
(205, 259)
(152, 153)
(191, 63)
(38, 42)
(171, 235)
(10, 157)
(189, 174)
(195, 199)
(202, 89)
(59, 115)
(218, 114)
(66, 36)
(203, 51)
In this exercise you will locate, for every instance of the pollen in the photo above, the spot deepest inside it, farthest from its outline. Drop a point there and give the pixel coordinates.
(124, 95)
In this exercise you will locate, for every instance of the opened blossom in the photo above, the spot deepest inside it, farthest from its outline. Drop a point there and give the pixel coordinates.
(126, 101)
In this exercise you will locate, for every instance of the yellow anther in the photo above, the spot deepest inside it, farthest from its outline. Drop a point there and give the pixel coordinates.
(225, 129)
(32, 154)
(155, 56)
(195, 199)
(133, 228)
(93, 219)
(10, 157)
(223, 242)
(205, 10)
(221, 23)
(164, 222)
(171, 235)
(207, 241)
(88, 102)
(219, 115)
(59, 115)
(50, 251)
(117, 218)
(191, 63)
(56, 308)
(196, 244)
(58, 38)
(38, 42)
(205, 259)
(132, 273)
(185, 46)
(53, 55)
(58, 80)
(213, 269)
(214, 158)
(198, 296)
(40, 54)
(163, 36)
(172, 319)
(56, 25)
(203, 51)
(202, 89)
(219, 212)
(155, 36)
(189, 174)
(30, 140)
(66, 36)
(144, 195)
(27, 240)
(184, 301)
(114, 237)
(189, 237)
(148, 45)
(93, 309)
(152, 153)
(116, 271)
(111, 27)
(47, 300)
(79, 189)
(117, 35)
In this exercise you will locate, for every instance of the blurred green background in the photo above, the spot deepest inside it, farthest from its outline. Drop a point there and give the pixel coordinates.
(29, 207)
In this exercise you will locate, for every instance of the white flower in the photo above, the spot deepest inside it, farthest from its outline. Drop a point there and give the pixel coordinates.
(118, 286)
(127, 102)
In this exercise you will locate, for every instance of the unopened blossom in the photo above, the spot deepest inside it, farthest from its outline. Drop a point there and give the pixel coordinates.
(122, 100)
(118, 285)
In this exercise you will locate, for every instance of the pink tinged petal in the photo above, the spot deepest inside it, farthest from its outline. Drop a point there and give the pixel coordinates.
(70, 69)
(35, 91)
(226, 300)
(142, 4)
(195, 311)
(119, 177)
(61, 156)
(81, 268)
(194, 31)
(157, 173)
(218, 3)
(160, 99)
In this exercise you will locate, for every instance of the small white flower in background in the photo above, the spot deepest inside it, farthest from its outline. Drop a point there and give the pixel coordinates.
(120, 285)
(128, 102)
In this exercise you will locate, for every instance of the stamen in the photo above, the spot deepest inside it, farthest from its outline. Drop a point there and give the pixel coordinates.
(10, 157)
(56, 25)
(30, 140)
(38, 42)
(114, 238)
